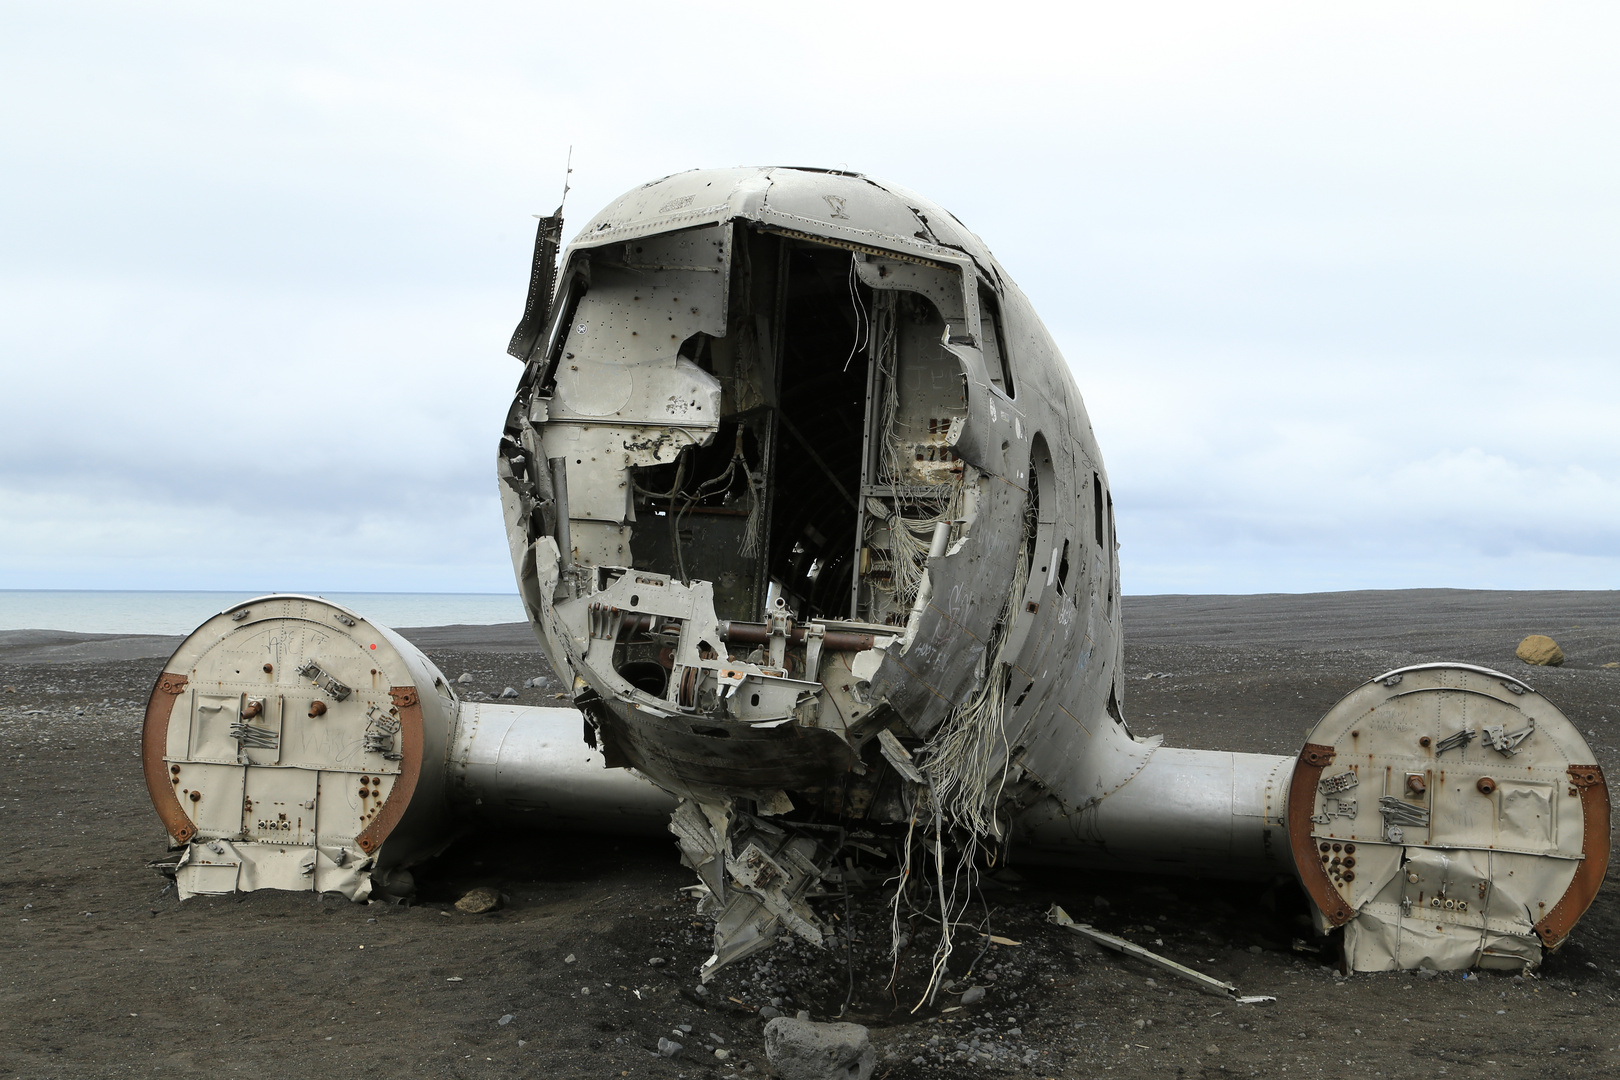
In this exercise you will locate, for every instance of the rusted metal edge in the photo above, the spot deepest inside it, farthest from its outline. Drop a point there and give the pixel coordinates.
(1555, 926)
(1313, 758)
(850, 245)
(154, 745)
(399, 799)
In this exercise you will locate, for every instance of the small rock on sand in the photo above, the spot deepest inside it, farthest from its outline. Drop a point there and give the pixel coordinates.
(509, 692)
(479, 901)
(806, 1050)
(1541, 650)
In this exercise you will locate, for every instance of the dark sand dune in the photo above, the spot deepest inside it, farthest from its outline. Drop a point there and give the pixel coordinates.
(103, 973)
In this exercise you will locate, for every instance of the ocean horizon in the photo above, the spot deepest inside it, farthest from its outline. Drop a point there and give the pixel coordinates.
(137, 611)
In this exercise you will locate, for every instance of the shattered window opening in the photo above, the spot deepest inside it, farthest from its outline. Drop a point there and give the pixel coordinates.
(993, 342)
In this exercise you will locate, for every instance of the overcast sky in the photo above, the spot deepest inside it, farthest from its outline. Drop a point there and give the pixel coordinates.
(1338, 281)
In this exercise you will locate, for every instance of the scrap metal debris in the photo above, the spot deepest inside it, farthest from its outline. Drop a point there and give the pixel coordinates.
(1059, 917)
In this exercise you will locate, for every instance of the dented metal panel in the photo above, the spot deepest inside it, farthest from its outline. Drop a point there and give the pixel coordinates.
(1433, 845)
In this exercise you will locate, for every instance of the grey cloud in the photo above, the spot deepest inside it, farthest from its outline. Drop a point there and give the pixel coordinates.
(1338, 296)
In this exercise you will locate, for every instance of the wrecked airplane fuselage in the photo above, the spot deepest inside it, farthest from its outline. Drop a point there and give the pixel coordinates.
(804, 501)
(805, 508)
(793, 463)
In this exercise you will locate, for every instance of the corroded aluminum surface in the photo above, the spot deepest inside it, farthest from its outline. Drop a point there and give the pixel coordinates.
(288, 745)
(1434, 843)
(292, 744)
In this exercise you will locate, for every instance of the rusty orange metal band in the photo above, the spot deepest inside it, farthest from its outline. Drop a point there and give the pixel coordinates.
(154, 745)
(1555, 926)
(1301, 804)
(410, 734)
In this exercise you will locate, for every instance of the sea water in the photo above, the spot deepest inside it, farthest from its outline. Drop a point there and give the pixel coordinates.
(140, 612)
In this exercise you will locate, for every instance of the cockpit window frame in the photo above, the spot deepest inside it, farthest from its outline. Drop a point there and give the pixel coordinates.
(993, 334)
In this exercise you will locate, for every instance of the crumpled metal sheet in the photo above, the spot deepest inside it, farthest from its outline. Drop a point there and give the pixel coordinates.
(756, 876)
(219, 867)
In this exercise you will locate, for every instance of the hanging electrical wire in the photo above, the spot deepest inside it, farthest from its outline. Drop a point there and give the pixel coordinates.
(863, 323)
(960, 758)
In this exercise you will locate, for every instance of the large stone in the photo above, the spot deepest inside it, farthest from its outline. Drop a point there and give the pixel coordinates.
(479, 901)
(1540, 650)
(806, 1050)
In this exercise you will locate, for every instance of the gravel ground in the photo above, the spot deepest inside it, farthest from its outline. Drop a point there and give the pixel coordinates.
(591, 960)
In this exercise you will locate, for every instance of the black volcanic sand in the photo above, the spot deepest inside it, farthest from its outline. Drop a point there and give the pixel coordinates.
(104, 973)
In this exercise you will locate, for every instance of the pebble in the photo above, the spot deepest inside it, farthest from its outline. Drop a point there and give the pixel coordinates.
(722, 1053)
(768, 1013)
(507, 1019)
(656, 961)
(669, 1047)
(465, 677)
(973, 996)
(509, 692)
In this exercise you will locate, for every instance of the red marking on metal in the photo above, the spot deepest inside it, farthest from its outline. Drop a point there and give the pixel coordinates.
(1301, 805)
(1555, 926)
(399, 796)
(154, 744)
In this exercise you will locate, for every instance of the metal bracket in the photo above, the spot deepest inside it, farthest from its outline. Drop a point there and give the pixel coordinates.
(1505, 741)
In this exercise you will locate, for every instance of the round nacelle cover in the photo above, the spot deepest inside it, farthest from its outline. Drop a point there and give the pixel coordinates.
(1448, 816)
(283, 744)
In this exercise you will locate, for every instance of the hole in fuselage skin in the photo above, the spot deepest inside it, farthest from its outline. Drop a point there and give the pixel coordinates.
(1024, 695)
(646, 675)
(711, 732)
